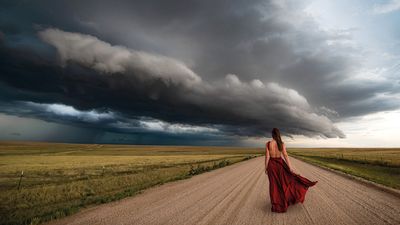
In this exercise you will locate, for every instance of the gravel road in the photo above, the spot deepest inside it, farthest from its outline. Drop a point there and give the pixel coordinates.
(238, 194)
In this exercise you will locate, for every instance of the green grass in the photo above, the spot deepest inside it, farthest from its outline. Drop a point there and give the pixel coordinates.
(378, 165)
(59, 179)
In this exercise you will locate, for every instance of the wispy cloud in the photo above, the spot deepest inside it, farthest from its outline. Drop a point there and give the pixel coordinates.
(69, 111)
(388, 7)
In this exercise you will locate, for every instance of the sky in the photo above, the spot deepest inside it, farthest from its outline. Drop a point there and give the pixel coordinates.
(195, 72)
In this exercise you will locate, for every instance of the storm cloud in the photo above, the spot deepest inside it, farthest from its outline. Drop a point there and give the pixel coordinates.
(253, 107)
(236, 68)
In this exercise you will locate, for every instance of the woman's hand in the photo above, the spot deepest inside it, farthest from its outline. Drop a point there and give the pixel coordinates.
(292, 171)
(266, 171)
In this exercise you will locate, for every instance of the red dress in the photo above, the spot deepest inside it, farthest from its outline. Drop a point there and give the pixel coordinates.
(285, 188)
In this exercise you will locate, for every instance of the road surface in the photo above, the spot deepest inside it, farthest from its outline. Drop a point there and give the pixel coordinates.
(238, 194)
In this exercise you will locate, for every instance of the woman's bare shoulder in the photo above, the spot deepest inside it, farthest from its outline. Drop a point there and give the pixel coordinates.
(268, 143)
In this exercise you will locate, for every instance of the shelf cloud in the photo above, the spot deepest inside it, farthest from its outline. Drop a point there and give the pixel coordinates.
(213, 68)
(241, 108)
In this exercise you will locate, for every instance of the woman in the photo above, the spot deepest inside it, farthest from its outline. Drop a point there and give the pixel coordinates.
(285, 186)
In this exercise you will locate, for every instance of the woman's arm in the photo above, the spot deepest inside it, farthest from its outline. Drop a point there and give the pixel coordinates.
(285, 155)
(266, 157)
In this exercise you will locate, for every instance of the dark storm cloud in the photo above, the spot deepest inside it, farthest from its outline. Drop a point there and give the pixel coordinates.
(240, 67)
(139, 84)
(274, 41)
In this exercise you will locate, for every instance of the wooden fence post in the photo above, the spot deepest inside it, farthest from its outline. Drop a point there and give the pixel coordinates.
(20, 179)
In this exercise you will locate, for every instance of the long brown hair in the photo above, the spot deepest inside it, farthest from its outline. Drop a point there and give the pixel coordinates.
(276, 135)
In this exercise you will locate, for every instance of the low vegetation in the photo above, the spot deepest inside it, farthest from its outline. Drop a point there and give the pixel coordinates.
(380, 165)
(59, 179)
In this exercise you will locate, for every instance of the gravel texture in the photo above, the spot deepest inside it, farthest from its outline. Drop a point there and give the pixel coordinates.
(238, 194)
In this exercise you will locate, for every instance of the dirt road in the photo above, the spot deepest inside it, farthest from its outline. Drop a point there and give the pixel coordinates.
(238, 194)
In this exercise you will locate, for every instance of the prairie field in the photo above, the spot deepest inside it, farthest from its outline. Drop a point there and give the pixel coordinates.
(59, 179)
(380, 165)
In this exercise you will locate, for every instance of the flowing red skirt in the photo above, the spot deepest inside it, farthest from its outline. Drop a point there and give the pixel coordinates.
(285, 187)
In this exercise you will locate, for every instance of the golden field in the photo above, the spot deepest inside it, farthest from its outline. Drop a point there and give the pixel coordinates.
(380, 165)
(59, 179)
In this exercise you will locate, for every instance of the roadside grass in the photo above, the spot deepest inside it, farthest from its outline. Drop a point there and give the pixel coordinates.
(60, 179)
(377, 165)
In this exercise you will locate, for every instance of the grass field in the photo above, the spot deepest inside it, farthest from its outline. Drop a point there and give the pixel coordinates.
(380, 165)
(59, 179)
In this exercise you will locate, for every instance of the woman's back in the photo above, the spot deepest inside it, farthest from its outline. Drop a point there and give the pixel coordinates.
(285, 186)
(273, 149)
